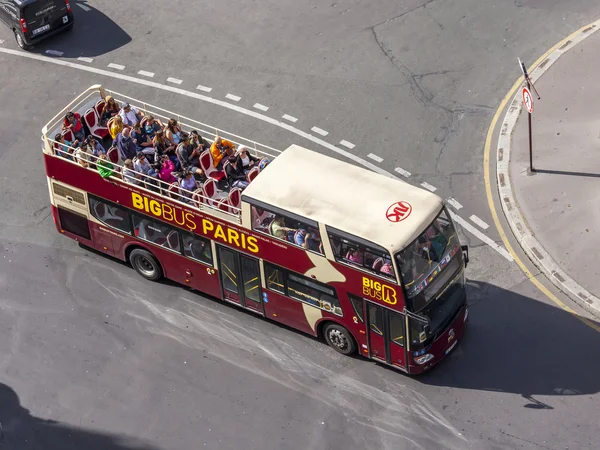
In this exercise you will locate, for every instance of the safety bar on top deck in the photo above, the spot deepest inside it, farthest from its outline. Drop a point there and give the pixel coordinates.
(58, 118)
(197, 199)
(170, 114)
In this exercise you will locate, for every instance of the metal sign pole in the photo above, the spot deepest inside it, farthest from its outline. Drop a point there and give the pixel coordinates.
(530, 86)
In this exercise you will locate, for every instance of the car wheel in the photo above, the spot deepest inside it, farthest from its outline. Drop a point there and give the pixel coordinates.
(20, 41)
(146, 264)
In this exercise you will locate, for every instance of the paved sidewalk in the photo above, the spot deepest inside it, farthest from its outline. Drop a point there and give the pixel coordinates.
(561, 202)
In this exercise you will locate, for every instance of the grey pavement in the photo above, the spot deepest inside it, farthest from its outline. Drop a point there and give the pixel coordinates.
(93, 357)
(560, 202)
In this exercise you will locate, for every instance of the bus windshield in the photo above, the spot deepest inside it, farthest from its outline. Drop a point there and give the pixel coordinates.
(430, 262)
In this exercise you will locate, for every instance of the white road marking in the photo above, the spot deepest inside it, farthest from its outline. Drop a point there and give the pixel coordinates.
(261, 107)
(145, 73)
(375, 157)
(85, 59)
(320, 131)
(452, 202)
(84, 7)
(429, 187)
(290, 118)
(347, 144)
(59, 62)
(401, 171)
(54, 52)
(235, 98)
(174, 80)
(477, 221)
(1, 41)
(203, 88)
(116, 66)
(479, 235)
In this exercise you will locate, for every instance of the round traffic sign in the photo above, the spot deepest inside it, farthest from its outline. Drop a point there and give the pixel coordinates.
(527, 100)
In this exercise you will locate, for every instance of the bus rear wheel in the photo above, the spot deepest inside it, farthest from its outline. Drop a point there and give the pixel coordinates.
(339, 339)
(146, 264)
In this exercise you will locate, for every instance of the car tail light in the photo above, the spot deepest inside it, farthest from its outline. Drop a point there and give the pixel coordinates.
(23, 25)
(68, 5)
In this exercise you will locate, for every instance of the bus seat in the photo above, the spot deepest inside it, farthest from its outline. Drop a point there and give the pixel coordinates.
(99, 107)
(174, 191)
(252, 174)
(235, 198)
(377, 264)
(93, 123)
(223, 205)
(207, 165)
(68, 135)
(209, 188)
(198, 197)
(113, 155)
(173, 240)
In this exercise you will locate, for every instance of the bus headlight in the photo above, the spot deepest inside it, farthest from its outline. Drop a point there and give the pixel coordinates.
(423, 359)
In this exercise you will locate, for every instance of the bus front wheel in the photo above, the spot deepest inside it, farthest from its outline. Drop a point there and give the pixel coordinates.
(145, 264)
(339, 339)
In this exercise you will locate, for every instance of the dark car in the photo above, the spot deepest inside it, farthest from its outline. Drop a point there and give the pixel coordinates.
(35, 20)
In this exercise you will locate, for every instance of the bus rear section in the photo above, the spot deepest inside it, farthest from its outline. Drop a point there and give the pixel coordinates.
(42, 19)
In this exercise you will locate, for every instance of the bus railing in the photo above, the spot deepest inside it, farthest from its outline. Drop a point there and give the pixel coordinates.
(152, 185)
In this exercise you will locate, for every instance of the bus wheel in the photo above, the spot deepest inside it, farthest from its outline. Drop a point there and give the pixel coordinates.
(145, 264)
(340, 339)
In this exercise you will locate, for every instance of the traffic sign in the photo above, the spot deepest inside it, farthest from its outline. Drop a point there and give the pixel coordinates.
(527, 100)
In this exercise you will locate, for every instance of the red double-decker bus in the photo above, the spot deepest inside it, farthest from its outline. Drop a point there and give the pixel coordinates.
(368, 263)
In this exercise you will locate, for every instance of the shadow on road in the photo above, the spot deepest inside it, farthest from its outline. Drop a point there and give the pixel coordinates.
(519, 345)
(20, 430)
(93, 34)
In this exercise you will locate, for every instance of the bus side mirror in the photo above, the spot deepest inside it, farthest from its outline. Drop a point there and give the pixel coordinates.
(465, 250)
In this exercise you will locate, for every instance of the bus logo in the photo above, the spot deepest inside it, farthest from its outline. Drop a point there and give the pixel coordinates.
(379, 291)
(398, 211)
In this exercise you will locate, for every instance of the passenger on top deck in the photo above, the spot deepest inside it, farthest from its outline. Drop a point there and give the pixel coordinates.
(125, 144)
(111, 109)
(130, 115)
(115, 126)
(245, 161)
(173, 131)
(235, 176)
(219, 149)
(73, 122)
(189, 153)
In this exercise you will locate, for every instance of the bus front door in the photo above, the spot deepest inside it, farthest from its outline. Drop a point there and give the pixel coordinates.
(387, 335)
(240, 279)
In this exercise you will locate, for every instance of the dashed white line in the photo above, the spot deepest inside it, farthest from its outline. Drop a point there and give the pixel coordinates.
(454, 203)
(479, 235)
(84, 7)
(347, 144)
(320, 131)
(174, 80)
(85, 59)
(116, 66)
(261, 107)
(54, 52)
(145, 73)
(235, 98)
(203, 88)
(1, 41)
(401, 171)
(477, 221)
(429, 187)
(290, 118)
(375, 157)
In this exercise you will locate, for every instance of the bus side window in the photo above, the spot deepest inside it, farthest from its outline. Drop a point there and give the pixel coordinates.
(357, 305)
(197, 248)
(156, 232)
(358, 254)
(274, 277)
(314, 293)
(375, 318)
(110, 214)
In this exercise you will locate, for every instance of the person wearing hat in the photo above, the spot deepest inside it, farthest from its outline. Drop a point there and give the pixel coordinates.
(130, 115)
(235, 175)
(245, 161)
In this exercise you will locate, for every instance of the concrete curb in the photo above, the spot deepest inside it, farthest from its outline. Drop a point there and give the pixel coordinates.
(531, 246)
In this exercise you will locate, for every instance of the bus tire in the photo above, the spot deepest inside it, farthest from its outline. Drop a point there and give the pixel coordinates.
(146, 264)
(339, 339)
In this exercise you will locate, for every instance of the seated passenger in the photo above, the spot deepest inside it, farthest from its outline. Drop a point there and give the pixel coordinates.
(306, 239)
(199, 141)
(162, 147)
(200, 250)
(95, 147)
(65, 148)
(189, 153)
(82, 155)
(173, 132)
(129, 173)
(125, 144)
(165, 168)
(105, 167)
(219, 149)
(141, 165)
(73, 122)
(188, 184)
(142, 141)
(387, 267)
(261, 218)
(246, 161)
(278, 229)
(355, 255)
(263, 163)
(115, 126)
(130, 115)
(235, 176)
(111, 109)
(151, 126)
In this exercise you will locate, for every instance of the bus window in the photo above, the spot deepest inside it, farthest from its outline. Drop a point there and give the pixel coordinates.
(274, 278)
(251, 279)
(362, 255)
(396, 328)
(357, 304)
(110, 214)
(156, 232)
(197, 248)
(375, 318)
(313, 293)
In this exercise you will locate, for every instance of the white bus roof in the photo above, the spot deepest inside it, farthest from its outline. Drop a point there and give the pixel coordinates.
(346, 197)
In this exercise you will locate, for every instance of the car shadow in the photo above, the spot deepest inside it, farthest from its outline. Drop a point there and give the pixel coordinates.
(19, 429)
(516, 344)
(93, 34)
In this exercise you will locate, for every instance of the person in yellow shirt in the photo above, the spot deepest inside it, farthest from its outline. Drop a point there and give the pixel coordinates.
(219, 149)
(115, 126)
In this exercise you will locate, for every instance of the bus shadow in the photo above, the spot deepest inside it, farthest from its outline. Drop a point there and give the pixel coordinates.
(93, 34)
(519, 345)
(19, 429)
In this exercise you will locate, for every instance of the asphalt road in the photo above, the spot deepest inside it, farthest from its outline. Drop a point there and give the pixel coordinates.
(95, 357)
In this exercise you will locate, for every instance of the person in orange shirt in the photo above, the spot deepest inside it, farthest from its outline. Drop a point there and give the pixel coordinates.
(219, 149)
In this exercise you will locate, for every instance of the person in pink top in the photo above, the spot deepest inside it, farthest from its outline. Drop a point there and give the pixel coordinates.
(166, 170)
(355, 255)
